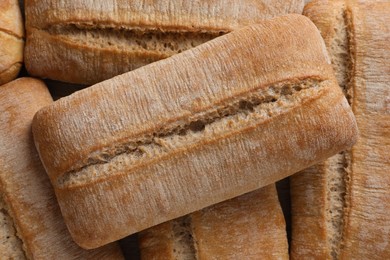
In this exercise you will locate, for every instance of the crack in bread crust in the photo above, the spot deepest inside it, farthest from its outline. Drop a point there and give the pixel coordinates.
(338, 167)
(184, 246)
(11, 33)
(339, 171)
(162, 40)
(245, 111)
(13, 244)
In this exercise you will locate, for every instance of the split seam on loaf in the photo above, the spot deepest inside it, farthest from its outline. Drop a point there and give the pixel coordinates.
(11, 33)
(250, 107)
(132, 39)
(184, 244)
(339, 165)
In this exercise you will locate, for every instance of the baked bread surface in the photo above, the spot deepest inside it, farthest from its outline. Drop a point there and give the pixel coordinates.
(11, 40)
(11, 246)
(228, 117)
(246, 227)
(86, 42)
(345, 200)
(30, 206)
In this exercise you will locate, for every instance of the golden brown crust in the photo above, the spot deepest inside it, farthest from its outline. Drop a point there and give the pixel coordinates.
(96, 40)
(213, 14)
(157, 242)
(11, 39)
(194, 69)
(10, 73)
(25, 186)
(308, 203)
(364, 228)
(367, 229)
(11, 18)
(134, 106)
(251, 226)
(246, 227)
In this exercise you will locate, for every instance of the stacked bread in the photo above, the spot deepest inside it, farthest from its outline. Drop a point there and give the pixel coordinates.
(216, 101)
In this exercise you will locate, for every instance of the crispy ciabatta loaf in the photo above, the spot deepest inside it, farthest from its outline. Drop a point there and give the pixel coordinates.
(27, 200)
(250, 226)
(86, 42)
(11, 40)
(345, 201)
(227, 117)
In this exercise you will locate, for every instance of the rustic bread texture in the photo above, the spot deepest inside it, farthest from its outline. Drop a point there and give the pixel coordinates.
(29, 198)
(228, 117)
(86, 42)
(10, 243)
(169, 240)
(345, 201)
(11, 40)
(247, 227)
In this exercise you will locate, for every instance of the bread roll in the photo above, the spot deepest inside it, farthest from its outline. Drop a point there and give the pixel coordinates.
(11, 40)
(247, 227)
(228, 117)
(27, 201)
(86, 42)
(345, 201)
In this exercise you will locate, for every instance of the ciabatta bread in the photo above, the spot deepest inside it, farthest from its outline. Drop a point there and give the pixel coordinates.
(247, 227)
(86, 42)
(228, 117)
(345, 201)
(28, 201)
(11, 40)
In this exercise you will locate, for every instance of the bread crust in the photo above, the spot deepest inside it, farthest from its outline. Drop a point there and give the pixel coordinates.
(233, 229)
(11, 38)
(25, 187)
(11, 246)
(114, 37)
(364, 229)
(236, 229)
(186, 87)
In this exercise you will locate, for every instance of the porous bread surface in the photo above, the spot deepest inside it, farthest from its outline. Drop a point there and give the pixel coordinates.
(235, 116)
(171, 240)
(202, 79)
(318, 204)
(367, 228)
(10, 244)
(11, 38)
(339, 50)
(154, 42)
(183, 241)
(157, 190)
(114, 37)
(336, 170)
(26, 189)
(361, 229)
(326, 220)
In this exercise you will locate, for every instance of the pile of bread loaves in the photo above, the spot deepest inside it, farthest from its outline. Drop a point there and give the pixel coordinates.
(187, 113)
